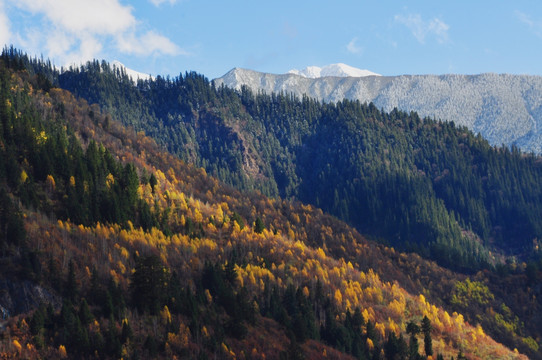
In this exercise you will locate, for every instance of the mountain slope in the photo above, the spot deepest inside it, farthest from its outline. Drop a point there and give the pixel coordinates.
(367, 167)
(505, 109)
(162, 260)
(420, 185)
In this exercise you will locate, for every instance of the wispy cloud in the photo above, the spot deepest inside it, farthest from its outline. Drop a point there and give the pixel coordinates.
(151, 42)
(160, 2)
(79, 30)
(353, 48)
(422, 29)
(535, 26)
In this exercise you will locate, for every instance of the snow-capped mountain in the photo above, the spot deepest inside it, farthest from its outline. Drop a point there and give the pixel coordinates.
(135, 75)
(505, 109)
(337, 70)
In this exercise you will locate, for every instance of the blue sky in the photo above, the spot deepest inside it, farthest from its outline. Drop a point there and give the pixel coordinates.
(167, 37)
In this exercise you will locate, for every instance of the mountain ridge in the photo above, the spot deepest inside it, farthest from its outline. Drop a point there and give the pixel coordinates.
(503, 108)
(332, 70)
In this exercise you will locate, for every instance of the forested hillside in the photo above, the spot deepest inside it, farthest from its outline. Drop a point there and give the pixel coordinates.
(416, 184)
(77, 160)
(143, 255)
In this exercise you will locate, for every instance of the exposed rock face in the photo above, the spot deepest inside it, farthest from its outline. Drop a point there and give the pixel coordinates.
(505, 109)
(19, 297)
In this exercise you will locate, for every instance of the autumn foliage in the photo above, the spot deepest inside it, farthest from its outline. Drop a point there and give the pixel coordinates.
(149, 256)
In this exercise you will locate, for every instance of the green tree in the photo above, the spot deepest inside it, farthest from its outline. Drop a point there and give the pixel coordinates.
(11, 223)
(149, 284)
(428, 342)
(153, 182)
(71, 290)
(259, 226)
(413, 329)
(85, 315)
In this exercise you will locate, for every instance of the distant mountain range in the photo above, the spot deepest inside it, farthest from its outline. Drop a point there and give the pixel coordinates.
(505, 109)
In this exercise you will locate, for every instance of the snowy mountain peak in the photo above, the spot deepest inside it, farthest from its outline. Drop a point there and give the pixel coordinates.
(135, 75)
(337, 70)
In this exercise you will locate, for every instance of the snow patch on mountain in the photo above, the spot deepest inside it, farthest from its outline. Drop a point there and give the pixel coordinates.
(135, 75)
(333, 70)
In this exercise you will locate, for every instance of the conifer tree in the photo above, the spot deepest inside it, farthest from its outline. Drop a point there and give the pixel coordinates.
(259, 226)
(428, 342)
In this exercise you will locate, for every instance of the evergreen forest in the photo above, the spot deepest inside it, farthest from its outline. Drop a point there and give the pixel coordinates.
(172, 219)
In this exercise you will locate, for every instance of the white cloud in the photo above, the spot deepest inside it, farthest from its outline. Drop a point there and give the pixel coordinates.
(440, 29)
(157, 43)
(4, 26)
(77, 16)
(58, 43)
(421, 29)
(88, 48)
(150, 42)
(353, 48)
(160, 2)
(78, 30)
(535, 26)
